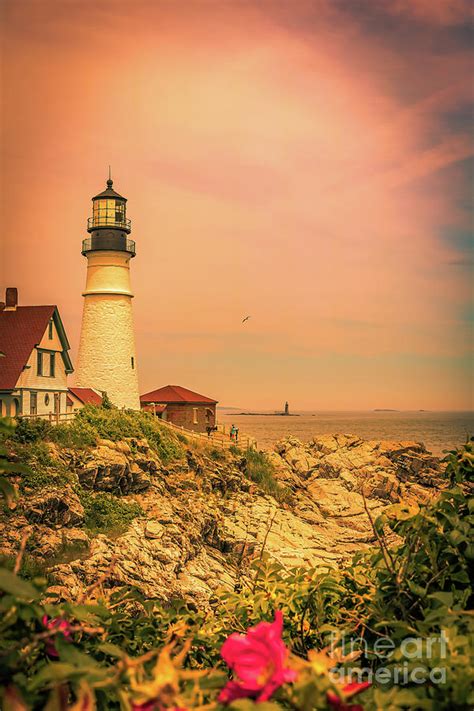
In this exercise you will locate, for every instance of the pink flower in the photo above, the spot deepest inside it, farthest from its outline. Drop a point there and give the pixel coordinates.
(62, 627)
(348, 690)
(258, 659)
(154, 705)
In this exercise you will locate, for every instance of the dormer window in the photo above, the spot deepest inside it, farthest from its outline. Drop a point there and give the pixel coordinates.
(45, 368)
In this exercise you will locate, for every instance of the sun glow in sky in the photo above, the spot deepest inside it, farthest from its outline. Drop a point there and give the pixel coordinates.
(304, 162)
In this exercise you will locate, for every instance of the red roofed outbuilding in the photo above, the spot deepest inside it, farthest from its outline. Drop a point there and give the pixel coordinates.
(78, 397)
(182, 407)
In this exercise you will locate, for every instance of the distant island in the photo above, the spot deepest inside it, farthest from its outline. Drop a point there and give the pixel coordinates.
(285, 413)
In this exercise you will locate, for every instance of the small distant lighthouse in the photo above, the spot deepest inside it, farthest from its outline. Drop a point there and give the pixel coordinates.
(287, 409)
(107, 359)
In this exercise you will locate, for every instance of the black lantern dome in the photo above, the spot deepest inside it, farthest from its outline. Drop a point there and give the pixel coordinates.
(109, 225)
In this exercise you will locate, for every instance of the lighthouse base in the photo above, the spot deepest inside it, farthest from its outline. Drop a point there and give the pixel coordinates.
(107, 359)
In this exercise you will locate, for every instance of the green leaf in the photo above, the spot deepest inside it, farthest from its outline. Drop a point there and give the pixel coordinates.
(445, 598)
(111, 649)
(12, 584)
(53, 672)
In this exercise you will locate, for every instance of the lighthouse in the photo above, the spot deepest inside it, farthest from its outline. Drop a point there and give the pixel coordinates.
(107, 359)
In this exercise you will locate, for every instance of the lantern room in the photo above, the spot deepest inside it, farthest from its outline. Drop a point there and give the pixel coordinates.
(109, 211)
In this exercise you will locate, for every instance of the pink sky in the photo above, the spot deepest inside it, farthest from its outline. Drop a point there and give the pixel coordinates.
(302, 162)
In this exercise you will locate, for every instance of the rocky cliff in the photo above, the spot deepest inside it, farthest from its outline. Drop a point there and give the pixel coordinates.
(201, 519)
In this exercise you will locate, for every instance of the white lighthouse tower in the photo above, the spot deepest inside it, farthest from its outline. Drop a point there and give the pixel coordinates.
(107, 359)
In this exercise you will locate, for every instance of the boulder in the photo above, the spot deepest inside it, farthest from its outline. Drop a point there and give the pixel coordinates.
(54, 507)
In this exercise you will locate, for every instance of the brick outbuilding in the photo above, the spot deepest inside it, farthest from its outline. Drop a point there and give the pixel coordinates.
(182, 407)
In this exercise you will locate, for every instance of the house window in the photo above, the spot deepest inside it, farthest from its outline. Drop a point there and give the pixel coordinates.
(33, 403)
(50, 330)
(195, 415)
(132, 359)
(46, 399)
(40, 363)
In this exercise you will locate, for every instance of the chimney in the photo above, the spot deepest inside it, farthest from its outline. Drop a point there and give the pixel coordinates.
(11, 298)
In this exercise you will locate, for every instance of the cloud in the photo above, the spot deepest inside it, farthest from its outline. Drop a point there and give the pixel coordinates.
(295, 161)
(437, 12)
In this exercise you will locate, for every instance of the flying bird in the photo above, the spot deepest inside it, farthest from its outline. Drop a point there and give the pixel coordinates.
(245, 319)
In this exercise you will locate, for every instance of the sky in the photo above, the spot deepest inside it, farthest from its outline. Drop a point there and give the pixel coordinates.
(304, 162)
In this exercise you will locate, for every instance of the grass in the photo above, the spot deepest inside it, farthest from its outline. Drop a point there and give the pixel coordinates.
(92, 423)
(117, 425)
(218, 455)
(42, 470)
(78, 434)
(30, 568)
(259, 469)
(105, 513)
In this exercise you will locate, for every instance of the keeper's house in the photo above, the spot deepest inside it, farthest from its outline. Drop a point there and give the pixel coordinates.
(34, 359)
(182, 407)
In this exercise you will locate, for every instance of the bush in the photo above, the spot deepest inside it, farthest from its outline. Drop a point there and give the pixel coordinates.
(125, 651)
(460, 463)
(259, 469)
(105, 513)
(42, 469)
(218, 455)
(31, 430)
(117, 425)
(77, 434)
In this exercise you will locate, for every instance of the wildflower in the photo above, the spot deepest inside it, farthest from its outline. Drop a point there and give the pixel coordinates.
(61, 627)
(258, 659)
(335, 702)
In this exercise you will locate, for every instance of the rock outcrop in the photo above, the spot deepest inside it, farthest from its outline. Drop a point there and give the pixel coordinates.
(204, 519)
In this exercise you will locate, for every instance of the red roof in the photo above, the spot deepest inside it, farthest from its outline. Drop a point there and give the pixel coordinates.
(175, 394)
(20, 331)
(87, 396)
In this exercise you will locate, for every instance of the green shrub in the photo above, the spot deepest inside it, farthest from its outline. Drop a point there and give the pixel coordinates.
(105, 513)
(42, 469)
(460, 463)
(31, 430)
(217, 454)
(78, 434)
(418, 588)
(259, 469)
(117, 425)
(30, 568)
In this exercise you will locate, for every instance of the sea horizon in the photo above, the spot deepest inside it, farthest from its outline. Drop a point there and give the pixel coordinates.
(438, 430)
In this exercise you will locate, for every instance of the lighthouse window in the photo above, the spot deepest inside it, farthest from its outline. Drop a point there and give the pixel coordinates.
(132, 359)
(119, 211)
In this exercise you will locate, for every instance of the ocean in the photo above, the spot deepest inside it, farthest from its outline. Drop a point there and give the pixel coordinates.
(437, 430)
